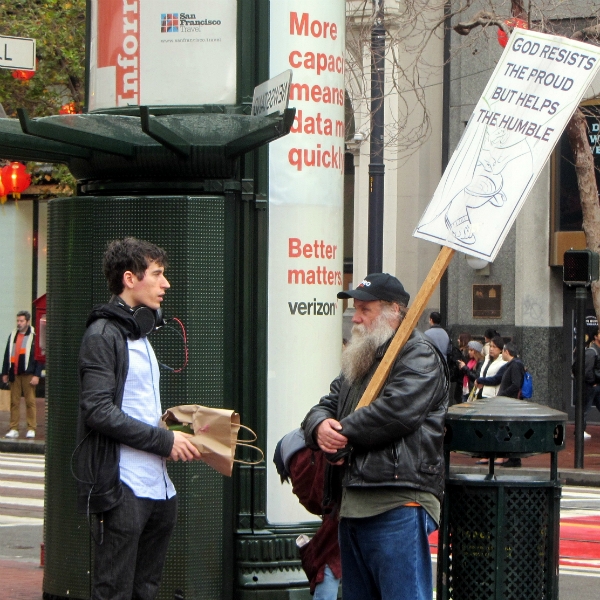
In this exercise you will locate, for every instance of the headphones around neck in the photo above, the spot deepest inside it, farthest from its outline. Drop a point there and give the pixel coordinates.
(148, 319)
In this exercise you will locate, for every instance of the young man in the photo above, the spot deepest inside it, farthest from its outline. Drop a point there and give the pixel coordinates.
(122, 452)
(23, 372)
(389, 455)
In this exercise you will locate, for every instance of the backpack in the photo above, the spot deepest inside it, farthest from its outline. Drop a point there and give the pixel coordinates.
(527, 387)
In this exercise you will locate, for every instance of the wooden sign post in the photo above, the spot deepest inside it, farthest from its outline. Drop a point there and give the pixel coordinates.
(408, 324)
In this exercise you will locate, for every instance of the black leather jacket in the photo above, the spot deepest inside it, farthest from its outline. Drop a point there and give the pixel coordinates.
(102, 426)
(398, 439)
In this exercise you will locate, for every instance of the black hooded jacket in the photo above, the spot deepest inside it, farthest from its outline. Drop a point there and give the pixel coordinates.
(396, 441)
(102, 426)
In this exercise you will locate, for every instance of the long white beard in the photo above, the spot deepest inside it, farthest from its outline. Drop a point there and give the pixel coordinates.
(359, 353)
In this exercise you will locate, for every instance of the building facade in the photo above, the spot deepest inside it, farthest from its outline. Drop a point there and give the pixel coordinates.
(521, 294)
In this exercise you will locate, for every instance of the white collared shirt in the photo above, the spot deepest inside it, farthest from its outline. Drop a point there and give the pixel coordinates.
(145, 473)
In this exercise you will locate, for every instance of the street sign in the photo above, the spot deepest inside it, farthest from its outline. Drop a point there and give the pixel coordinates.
(17, 53)
(531, 96)
(272, 96)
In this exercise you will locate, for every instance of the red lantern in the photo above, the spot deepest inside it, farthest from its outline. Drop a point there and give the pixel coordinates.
(69, 109)
(15, 179)
(2, 193)
(23, 75)
(514, 22)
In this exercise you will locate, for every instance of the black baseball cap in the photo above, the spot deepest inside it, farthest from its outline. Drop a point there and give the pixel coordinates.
(378, 286)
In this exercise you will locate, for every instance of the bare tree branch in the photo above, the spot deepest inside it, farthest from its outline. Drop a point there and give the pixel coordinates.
(481, 19)
(589, 33)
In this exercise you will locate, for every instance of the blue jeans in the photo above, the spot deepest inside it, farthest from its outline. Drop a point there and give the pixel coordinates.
(386, 557)
(128, 564)
(328, 588)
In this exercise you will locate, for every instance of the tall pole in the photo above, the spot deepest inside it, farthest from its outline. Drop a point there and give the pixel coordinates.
(580, 302)
(35, 249)
(376, 166)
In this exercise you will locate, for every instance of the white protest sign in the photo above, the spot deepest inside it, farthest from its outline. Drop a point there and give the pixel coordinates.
(531, 96)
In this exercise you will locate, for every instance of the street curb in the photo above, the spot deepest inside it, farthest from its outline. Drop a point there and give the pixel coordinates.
(23, 446)
(567, 476)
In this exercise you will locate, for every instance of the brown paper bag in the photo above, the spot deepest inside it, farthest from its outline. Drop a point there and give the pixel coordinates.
(4, 399)
(215, 434)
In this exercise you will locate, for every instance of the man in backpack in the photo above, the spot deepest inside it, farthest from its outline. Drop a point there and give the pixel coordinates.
(510, 375)
(592, 377)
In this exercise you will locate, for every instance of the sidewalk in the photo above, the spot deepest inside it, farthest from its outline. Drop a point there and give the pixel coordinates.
(21, 444)
(20, 580)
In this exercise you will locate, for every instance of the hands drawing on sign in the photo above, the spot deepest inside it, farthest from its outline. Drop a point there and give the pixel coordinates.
(499, 148)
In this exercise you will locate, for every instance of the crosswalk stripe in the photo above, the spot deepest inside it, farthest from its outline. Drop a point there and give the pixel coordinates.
(8, 521)
(23, 456)
(21, 485)
(19, 462)
(15, 472)
(21, 501)
(579, 571)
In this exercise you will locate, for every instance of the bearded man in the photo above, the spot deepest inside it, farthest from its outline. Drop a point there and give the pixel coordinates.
(388, 477)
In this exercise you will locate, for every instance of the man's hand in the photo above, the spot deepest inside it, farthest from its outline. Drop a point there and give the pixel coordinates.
(328, 436)
(34, 380)
(183, 449)
(478, 385)
(4, 378)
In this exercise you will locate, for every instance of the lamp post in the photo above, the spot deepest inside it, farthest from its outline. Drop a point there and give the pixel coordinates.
(376, 166)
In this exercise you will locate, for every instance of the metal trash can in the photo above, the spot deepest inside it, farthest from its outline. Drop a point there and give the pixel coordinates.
(499, 534)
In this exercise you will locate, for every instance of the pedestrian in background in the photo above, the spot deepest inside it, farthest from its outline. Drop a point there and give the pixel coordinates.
(510, 378)
(591, 378)
(491, 366)
(471, 369)
(457, 355)
(23, 372)
(437, 334)
(488, 336)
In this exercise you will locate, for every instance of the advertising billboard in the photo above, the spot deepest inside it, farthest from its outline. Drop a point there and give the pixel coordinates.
(162, 53)
(305, 226)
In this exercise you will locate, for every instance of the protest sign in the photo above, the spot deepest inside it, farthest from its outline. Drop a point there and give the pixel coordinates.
(531, 96)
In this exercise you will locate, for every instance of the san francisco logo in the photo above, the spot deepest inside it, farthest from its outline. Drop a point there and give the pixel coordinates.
(183, 22)
(169, 22)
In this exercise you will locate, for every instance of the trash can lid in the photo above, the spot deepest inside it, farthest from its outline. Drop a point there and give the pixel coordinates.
(501, 408)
